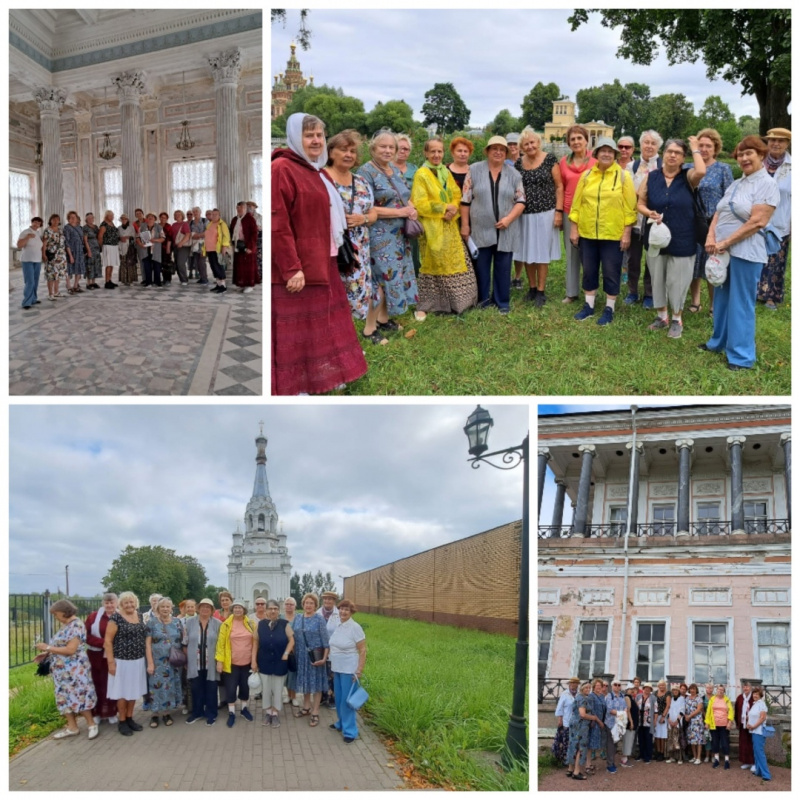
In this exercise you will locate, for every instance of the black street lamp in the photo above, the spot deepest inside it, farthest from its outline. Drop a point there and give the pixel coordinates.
(477, 429)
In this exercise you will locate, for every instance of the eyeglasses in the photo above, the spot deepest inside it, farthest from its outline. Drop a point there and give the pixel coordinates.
(625, 146)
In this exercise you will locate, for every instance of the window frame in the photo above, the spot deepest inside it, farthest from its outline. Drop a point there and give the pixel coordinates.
(754, 521)
(552, 622)
(33, 182)
(171, 207)
(709, 620)
(661, 505)
(754, 622)
(577, 644)
(250, 185)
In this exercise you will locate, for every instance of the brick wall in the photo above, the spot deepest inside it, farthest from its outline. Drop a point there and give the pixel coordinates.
(470, 583)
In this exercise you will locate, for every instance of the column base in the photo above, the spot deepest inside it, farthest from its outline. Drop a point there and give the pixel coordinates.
(681, 533)
(739, 532)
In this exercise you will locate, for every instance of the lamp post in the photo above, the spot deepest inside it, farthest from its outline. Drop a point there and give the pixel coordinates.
(477, 430)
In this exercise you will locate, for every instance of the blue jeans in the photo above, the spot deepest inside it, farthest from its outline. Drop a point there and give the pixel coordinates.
(762, 770)
(595, 252)
(30, 274)
(346, 723)
(495, 291)
(735, 313)
(204, 696)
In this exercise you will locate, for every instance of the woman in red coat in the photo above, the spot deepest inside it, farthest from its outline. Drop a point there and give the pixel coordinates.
(314, 344)
(244, 240)
(96, 624)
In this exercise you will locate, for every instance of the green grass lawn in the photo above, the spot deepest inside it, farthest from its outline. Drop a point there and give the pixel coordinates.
(546, 352)
(442, 695)
(32, 713)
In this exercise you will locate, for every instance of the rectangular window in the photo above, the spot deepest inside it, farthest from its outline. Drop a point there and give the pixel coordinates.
(774, 653)
(650, 647)
(256, 180)
(194, 183)
(22, 203)
(755, 516)
(708, 519)
(664, 520)
(592, 646)
(545, 634)
(618, 517)
(710, 652)
(112, 192)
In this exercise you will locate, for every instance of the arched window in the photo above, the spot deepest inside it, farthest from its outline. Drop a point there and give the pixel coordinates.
(261, 521)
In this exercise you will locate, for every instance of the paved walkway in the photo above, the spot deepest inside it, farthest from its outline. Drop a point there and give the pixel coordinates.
(246, 757)
(136, 340)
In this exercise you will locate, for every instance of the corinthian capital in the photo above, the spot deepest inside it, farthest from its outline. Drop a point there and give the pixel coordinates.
(226, 66)
(130, 85)
(49, 99)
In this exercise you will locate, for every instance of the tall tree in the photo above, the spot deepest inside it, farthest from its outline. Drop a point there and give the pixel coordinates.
(443, 105)
(748, 125)
(306, 584)
(504, 123)
(396, 115)
(338, 113)
(748, 46)
(623, 107)
(195, 578)
(146, 570)
(323, 583)
(672, 115)
(303, 32)
(714, 112)
(537, 105)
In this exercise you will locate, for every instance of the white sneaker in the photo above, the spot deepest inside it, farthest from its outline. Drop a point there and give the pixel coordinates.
(96, 720)
(745, 766)
(295, 702)
(93, 731)
(753, 768)
(668, 761)
(113, 720)
(247, 290)
(697, 761)
(66, 733)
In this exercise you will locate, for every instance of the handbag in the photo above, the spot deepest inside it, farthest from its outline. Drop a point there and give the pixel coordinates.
(42, 664)
(772, 240)
(347, 256)
(412, 228)
(177, 658)
(717, 268)
(254, 681)
(357, 695)
(292, 662)
(767, 731)
(315, 653)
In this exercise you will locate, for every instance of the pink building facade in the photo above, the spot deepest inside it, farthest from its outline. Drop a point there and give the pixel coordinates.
(677, 564)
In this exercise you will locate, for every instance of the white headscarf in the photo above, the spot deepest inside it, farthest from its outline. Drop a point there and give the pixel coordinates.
(294, 135)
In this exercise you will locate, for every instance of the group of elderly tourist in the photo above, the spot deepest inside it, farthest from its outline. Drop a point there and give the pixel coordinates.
(371, 241)
(687, 726)
(205, 659)
(149, 246)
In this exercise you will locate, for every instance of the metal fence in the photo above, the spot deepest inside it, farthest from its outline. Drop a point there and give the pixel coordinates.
(30, 621)
(706, 528)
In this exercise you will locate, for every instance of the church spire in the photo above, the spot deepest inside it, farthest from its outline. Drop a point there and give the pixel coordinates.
(261, 486)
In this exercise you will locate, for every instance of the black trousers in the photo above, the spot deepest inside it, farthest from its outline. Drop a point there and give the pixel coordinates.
(237, 679)
(721, 740)
(645, 735)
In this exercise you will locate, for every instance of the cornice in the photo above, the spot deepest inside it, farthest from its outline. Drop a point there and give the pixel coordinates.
(190, 30)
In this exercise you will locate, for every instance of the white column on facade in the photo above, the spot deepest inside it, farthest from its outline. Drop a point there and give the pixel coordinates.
(50, 101)
(226, 68)
(130, 87)
(786, 444)
(684, 448)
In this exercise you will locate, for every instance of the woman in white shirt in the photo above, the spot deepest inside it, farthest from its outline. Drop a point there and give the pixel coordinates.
(677, 707)
(756, 717)
(348, 654)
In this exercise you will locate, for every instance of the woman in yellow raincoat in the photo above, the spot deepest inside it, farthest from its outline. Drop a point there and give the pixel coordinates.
(446, 282)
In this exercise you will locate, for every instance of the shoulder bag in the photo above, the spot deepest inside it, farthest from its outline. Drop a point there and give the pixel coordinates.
(772, 240)
(357, 695)
(314, 653)
(412, 228)
(347, 257)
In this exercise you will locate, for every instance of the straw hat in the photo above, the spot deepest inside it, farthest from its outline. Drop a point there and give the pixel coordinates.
(496, 140)
(779, 133)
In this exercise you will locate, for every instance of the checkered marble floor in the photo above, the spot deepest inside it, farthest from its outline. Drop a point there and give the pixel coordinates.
(136, 340)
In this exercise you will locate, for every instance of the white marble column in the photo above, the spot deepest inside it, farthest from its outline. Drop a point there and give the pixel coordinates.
(226, 68)
(50, 101)
(130, 87)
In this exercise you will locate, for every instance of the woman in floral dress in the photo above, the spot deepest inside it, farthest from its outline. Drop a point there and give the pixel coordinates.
(73, 238)
(310, 631)
(390, 250)
(164, 681)
(94, 260)
(71, 671)
(695, 732)
(579, 727)
(363, 296)
(711, 188)
(54, 247)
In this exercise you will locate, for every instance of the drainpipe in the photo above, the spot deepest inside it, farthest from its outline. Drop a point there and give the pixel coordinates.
(634, 461)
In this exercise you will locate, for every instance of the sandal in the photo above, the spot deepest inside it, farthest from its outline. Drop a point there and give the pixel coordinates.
(302, 712)
(168, 720)
(579, 777)
(374, 337)
(390, 325)
(154, 721)
(695, 307)
(570, 773)
(314, 720)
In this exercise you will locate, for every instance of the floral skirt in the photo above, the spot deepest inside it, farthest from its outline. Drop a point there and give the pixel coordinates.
(561, 743)
(770, 286)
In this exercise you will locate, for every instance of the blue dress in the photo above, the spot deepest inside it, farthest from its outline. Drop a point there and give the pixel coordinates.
(390, 249)
(74, 237)
(717, 179)
(579, 728)
(165, 683)
(310, 632)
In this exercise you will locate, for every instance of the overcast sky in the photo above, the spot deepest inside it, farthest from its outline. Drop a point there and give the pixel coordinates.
(355, 487)
(493, 57)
